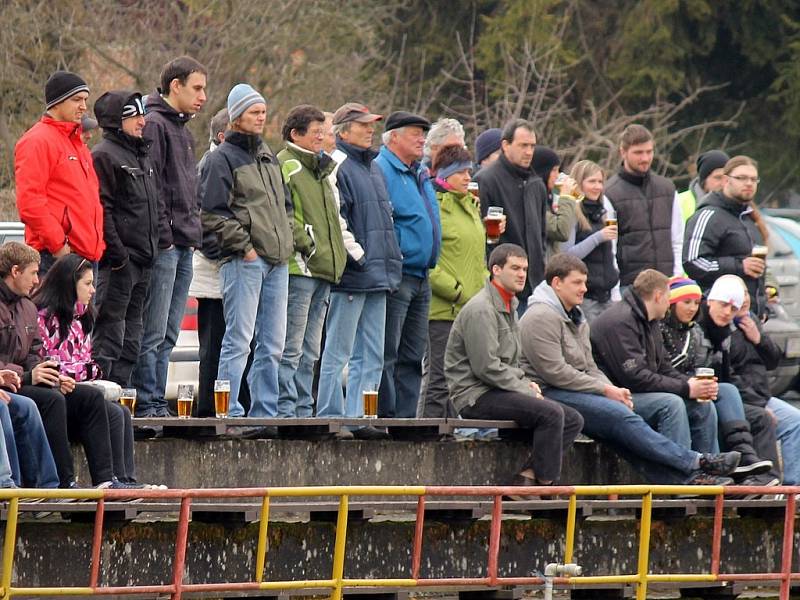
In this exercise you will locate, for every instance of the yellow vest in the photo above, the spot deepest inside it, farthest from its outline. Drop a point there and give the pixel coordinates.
(688, 204)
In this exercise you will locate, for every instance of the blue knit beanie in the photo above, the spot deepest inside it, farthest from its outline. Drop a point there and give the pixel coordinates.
(240, 98)
(486, 143)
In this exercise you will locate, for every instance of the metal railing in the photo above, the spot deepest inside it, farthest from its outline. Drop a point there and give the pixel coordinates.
(338, 582)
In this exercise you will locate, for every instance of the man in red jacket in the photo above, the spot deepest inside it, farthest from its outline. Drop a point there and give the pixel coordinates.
(58, 195)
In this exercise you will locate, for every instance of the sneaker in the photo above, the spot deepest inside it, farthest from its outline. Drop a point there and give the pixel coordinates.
(719, 464)
(752, 465)
(371, 433)
(764, 480)
(701, 478)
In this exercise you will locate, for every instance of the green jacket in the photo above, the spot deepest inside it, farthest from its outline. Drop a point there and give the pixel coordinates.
(318, 244)
(461, 270)
(560, 224)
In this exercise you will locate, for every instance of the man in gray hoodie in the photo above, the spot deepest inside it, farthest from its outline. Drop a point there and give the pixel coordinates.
(557, 355)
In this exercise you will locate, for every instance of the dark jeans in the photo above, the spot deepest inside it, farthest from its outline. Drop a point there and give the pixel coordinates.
(80, 415)
(765, 441)
(117, 333)
(554, 426)
(210, 330)
(436, 403)
(404, 348)
(121, 430)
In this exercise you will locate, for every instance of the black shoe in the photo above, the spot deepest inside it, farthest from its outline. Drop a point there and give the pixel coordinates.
(701, 478)
(752, 465)
(144, 432)
(269, 432)
(720, 464)
(343, 435)
(370, 433)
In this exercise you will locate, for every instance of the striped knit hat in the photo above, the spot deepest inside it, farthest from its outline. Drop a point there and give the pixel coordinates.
(683, 288)
(240, 98)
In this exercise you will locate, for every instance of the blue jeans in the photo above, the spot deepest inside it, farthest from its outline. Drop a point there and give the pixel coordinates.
(308, 304)
(666, 413)
(354, 338)
(404, 348)
(658, 458)
(6, 478)
(166, 297)
(254, 297)
(788, 432)
(703, 425)
(29, 453)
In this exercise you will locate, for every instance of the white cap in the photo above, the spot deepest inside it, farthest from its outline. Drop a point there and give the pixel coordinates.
(728, 288)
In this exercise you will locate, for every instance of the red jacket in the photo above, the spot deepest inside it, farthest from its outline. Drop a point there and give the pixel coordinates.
(58, 195)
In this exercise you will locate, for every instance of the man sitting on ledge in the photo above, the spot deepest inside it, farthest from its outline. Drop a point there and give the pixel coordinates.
(557, 354)
(484, 378)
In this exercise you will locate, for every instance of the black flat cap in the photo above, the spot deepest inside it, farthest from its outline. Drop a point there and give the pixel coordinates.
(405, 119)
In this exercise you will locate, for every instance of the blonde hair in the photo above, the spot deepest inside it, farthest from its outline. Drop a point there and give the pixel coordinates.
(648, 282)
(16, 254)
(582, 170)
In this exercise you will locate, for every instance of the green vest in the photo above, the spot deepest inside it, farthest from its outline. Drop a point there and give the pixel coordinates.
(688, 204)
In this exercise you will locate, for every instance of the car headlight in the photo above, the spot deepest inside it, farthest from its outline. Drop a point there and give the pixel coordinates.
(793, 347)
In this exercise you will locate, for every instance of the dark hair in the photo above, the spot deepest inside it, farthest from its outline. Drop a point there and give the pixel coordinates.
(57, 294)
(449, 155)
(503, 252)
(179, 68)
(510, 128)
(635, 134)
(299, 118)
(560, 265)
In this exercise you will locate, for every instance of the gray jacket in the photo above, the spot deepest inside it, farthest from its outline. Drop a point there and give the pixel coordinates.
(556, 351)
(483, 350)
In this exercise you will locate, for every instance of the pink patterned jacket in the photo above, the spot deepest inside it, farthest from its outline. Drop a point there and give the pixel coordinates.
(75, 352)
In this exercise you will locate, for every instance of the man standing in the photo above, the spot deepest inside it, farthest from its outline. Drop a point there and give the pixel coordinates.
(487, 148)
(243, 201)
(130, 202)
(557, 354)
(710, 178)
(482, 368)
(510, 183)
(419, 233)
(319, 255)
(648, 211)
(629, 349)
(721, 235)
(180, 96)
(57, 188)
(356, 322)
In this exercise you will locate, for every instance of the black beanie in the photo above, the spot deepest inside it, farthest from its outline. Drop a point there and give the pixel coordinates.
(62, 85)
(544, 159)
(709, 161)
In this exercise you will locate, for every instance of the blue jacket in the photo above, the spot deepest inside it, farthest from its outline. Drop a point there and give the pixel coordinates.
(364, 204)
(415, 211)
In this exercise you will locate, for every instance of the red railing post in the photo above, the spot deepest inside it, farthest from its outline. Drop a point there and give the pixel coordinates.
(494, 539)
(97, 542)
(416, 553)
(181, 539)
(716, 536)
(788, 546)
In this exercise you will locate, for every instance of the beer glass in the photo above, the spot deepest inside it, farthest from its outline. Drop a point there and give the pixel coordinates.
(611, 221)
(494, 215)
(185, 399)
(706, 374)
(222, 397)
(759, 252)
(127, 397)
(371, 401)
(474, 189)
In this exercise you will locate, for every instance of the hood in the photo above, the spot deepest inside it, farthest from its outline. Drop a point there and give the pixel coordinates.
(544, 294)
(156, 103)
(719, 200)
(108, 107)
(697, 190)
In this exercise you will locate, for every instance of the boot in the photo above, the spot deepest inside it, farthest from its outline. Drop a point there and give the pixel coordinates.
(736, 436)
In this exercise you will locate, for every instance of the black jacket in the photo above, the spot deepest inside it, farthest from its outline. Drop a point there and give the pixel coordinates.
(749, 365)
(524, 199)
(127, 188)
(173, 158)
(629, 349)
(718, 237)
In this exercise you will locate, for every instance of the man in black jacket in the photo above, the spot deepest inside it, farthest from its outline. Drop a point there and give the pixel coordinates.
(721, 235)
(628, 347)
(180, 96)
(510, 183)
(130, 228)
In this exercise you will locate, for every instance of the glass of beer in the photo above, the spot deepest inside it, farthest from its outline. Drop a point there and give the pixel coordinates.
(494, 215)
(759, 251)
(371, 402)
(185, 399)
(473, 188)
(222, 397)
(611, 221)
(704, 373)
(127, 397)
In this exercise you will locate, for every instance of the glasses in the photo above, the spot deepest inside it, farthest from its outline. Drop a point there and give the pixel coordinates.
(745, 179)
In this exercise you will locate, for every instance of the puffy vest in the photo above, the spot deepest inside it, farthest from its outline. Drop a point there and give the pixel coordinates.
(603, 275)
(644, 215)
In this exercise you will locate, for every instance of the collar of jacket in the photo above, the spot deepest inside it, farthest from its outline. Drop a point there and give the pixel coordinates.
(156, 103)
(68, 128)
(633, 178)
(515, 170)
(252, 144)
(362, 155)
(138, 145)
(497, 299)
(593, 209)
(636, 304)
(732, 206)
(544, 294)
(320, 164)
(414, 168)
(447, 198)
(7, 295)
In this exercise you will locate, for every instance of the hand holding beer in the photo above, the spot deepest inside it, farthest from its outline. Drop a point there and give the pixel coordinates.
(703, 386)
(755, 264)
(222, 397)
(610, 231)
(493, 221)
